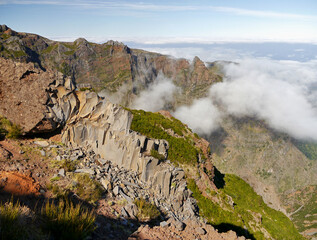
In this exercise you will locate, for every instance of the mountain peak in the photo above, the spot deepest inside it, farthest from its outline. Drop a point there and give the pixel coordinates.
(3, 28)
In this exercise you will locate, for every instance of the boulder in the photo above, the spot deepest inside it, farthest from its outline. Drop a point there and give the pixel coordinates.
(42, 143)
(200, 231)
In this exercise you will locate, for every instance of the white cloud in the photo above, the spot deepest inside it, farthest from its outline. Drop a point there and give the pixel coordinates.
(278, 92)
(154, 98)
(202, 116)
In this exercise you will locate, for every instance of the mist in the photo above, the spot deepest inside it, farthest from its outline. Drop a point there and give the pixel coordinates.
(282, 93)
(202, 116)
(157, 95)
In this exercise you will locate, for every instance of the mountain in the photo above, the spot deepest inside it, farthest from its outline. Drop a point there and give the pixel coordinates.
(108, 66)
(133, 139)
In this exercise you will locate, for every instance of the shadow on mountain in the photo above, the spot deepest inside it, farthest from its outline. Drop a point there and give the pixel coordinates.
(218, 178)
(44, 135)
(216, 140)
(225, 227)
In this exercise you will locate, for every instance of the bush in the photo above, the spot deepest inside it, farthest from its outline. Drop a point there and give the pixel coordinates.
(157, 155)
(86, 188)
(146, 210)
(8, 129)
(65, 220)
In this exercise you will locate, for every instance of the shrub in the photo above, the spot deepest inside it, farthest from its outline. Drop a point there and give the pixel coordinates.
(70, 165)
(9, 129)
(146, 210)
(157, 155)
(65, 220)
(86, 188)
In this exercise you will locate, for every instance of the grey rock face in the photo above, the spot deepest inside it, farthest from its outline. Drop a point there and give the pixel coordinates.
(200, 231)
(98, 133)
(105, 127)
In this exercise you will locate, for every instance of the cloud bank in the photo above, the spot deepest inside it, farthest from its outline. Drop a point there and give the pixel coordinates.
(278, 92)
(283, 93)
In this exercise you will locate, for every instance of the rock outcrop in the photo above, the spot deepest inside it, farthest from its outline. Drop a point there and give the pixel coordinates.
(105, 129)
(28, 96)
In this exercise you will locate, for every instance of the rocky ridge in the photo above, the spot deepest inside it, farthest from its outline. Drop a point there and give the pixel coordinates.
(103, 128)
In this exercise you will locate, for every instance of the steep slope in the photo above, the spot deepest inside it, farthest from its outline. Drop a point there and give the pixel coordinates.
(268, 161)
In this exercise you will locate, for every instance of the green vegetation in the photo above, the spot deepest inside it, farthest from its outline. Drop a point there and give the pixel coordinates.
(57, 191)
(72, 46)
(156, 155)
(275, 222)
(154, 125)
(249, 210)
(65, 69)
(55, 179)
(10, 223)
(67, 164)
(68, 53)
(86, 188)
(67, 221)
(8, 129)
(303, 206)
(263, 173)
(146, 210)
(18, 54)
(5, 36)
(49, 49)
(83, 89)
(308, 148)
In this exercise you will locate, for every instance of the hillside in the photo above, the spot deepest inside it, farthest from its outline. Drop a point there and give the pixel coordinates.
(268, 161)
(174, 166)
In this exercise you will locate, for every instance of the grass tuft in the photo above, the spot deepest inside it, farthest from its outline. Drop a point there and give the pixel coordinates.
(86, 188)
(10, 226)
(146, 210)
(65, 220)
(157, 155)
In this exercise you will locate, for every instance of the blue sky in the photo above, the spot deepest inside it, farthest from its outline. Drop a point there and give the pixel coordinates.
(165, 21)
